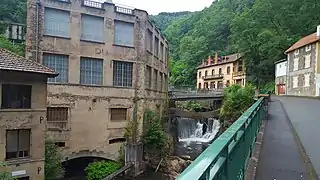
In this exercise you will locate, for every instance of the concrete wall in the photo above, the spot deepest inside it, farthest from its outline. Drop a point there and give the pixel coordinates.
(33, 119)
(302, 90)
(89, 106)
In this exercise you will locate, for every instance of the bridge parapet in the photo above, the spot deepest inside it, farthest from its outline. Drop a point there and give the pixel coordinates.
(189, 93)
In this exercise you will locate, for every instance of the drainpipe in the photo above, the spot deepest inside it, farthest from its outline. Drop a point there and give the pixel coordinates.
(37, 30)
(135, 100)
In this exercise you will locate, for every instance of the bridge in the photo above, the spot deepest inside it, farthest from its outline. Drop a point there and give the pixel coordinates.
(273, 143)
(185, 94)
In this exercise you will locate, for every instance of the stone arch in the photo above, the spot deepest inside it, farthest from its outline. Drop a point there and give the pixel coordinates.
(87, 153)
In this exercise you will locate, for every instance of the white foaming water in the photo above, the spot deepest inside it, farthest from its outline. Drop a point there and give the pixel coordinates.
(191, 130)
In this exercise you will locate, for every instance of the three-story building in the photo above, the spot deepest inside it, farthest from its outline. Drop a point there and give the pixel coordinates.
(221, 72)
(23, 89)
(303, 78)
(112, 64)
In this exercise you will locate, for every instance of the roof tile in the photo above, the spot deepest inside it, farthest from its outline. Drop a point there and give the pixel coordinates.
(13, 62)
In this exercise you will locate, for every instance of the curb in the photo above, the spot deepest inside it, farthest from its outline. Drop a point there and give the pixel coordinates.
(312, 175)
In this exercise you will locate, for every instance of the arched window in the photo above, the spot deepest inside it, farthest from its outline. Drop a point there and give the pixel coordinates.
(200, 74)
(206, 73)
(220, 71)
(228, 83)
(212, 72)
(228, 70)
(199, 86)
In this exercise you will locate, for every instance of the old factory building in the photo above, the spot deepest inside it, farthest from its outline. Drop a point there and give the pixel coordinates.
(112, 64)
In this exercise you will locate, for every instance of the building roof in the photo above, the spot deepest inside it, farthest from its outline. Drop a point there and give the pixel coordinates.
(230, 58)
(13, 62)
(280, 61)
(312, 38)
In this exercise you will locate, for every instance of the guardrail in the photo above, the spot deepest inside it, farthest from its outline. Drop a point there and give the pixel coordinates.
(227, 157)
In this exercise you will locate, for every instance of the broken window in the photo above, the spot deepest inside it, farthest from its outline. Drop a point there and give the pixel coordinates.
(16, 96)
(17, 143)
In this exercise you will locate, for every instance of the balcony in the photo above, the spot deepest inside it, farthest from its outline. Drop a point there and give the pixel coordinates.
(92, 4)
(215, 76)
(240, 73)
(124, 10)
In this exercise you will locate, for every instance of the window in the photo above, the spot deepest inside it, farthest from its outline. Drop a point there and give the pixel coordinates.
(167, 56)
(122, 73)
(148, 77)
(308, 48)
(199, 86)
(220, 71)
(307, 61)
(165, 83)
(17, 143)
(123, 33)
(155, 79)
(156, 47)
(57, 117)
(60, 64)
(118, 114)
(296, 52)
(92, 28)
(91, 71)
(161, 51)
(200, 74)
(212, 72)
(306, 80)
(60, 144)
(228, 83)
(295, 82)
(228, 70)
(56, 22)
(295, 64)
(16, 96)
(149, 41)
(161, 81)
(117, 140)
(206, 73)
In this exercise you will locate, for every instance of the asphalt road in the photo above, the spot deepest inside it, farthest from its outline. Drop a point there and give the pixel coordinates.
(280, 158)
(304, 115)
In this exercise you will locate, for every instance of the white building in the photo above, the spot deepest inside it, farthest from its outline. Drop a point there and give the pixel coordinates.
(281, 76)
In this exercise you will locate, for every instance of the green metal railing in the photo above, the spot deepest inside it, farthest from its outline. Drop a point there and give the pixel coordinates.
(227, 157)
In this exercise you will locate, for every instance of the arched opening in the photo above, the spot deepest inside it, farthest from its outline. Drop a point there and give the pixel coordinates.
(75, 168)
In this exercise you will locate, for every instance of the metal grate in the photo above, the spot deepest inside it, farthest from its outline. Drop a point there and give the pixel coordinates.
(122, 73)
(57, 117)
(118, 114)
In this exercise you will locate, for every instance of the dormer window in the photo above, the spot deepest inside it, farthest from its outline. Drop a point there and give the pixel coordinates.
(296, 52)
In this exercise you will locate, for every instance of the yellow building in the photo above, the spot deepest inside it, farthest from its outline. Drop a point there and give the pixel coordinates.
(221, 72)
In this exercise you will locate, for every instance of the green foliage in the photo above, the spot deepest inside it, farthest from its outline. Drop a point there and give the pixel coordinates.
(259, 29)
(53, 168)
(162, 20)
(129, 130)
(269, 87)
(191, 106)
(4, 175)
(236, 101)
(121, 158)
(101, 169)
(13, 11)
(13, 47)
(156, 142)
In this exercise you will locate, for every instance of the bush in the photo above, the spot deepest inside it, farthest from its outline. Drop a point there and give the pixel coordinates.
(236, 101)
(101, 169)
(4, 175)
(18, 48)
(53, 168)
(156, 142)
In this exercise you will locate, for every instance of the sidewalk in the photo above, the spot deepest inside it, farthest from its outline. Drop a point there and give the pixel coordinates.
(280, 157)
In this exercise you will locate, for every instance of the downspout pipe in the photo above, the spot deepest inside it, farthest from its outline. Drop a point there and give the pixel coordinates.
(37, 30)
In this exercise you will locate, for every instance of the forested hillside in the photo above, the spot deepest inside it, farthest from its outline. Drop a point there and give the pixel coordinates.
(260, 29)
(162, 20)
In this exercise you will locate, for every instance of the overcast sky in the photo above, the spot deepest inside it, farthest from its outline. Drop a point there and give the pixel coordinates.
(156, 6)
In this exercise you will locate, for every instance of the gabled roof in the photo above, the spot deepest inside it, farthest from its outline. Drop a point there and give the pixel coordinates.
(231, 58)
(13, 62)
(312, 38)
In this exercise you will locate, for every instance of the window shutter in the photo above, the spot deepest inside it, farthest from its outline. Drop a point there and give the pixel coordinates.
(92, 28)
(123, 33)
(56, 22)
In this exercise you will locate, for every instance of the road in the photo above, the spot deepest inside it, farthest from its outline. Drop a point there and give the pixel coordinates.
(291, 138)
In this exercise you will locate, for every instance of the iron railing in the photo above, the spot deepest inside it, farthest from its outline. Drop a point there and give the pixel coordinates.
(227, 157)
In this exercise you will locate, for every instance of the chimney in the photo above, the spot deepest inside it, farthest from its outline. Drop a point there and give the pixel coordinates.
(209, 60)
(216, 58)
(318, 31)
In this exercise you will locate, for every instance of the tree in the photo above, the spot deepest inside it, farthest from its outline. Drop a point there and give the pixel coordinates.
(13, 47)
(53, 167)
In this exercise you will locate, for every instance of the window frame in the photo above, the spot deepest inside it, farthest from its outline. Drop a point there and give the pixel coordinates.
(307, 63)
(129, 77)
(150, 41)
(83, 71)
(62, 124)
(156, 47)
(18, 144)
(61, 70)
(112, 114)
(295, 64)
(26, 90)
(83, 37)
(148, 77)
(45, 21)
(115, 32)
(295, 82)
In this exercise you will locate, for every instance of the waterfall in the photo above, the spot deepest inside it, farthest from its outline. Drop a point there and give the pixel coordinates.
(191, 130)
